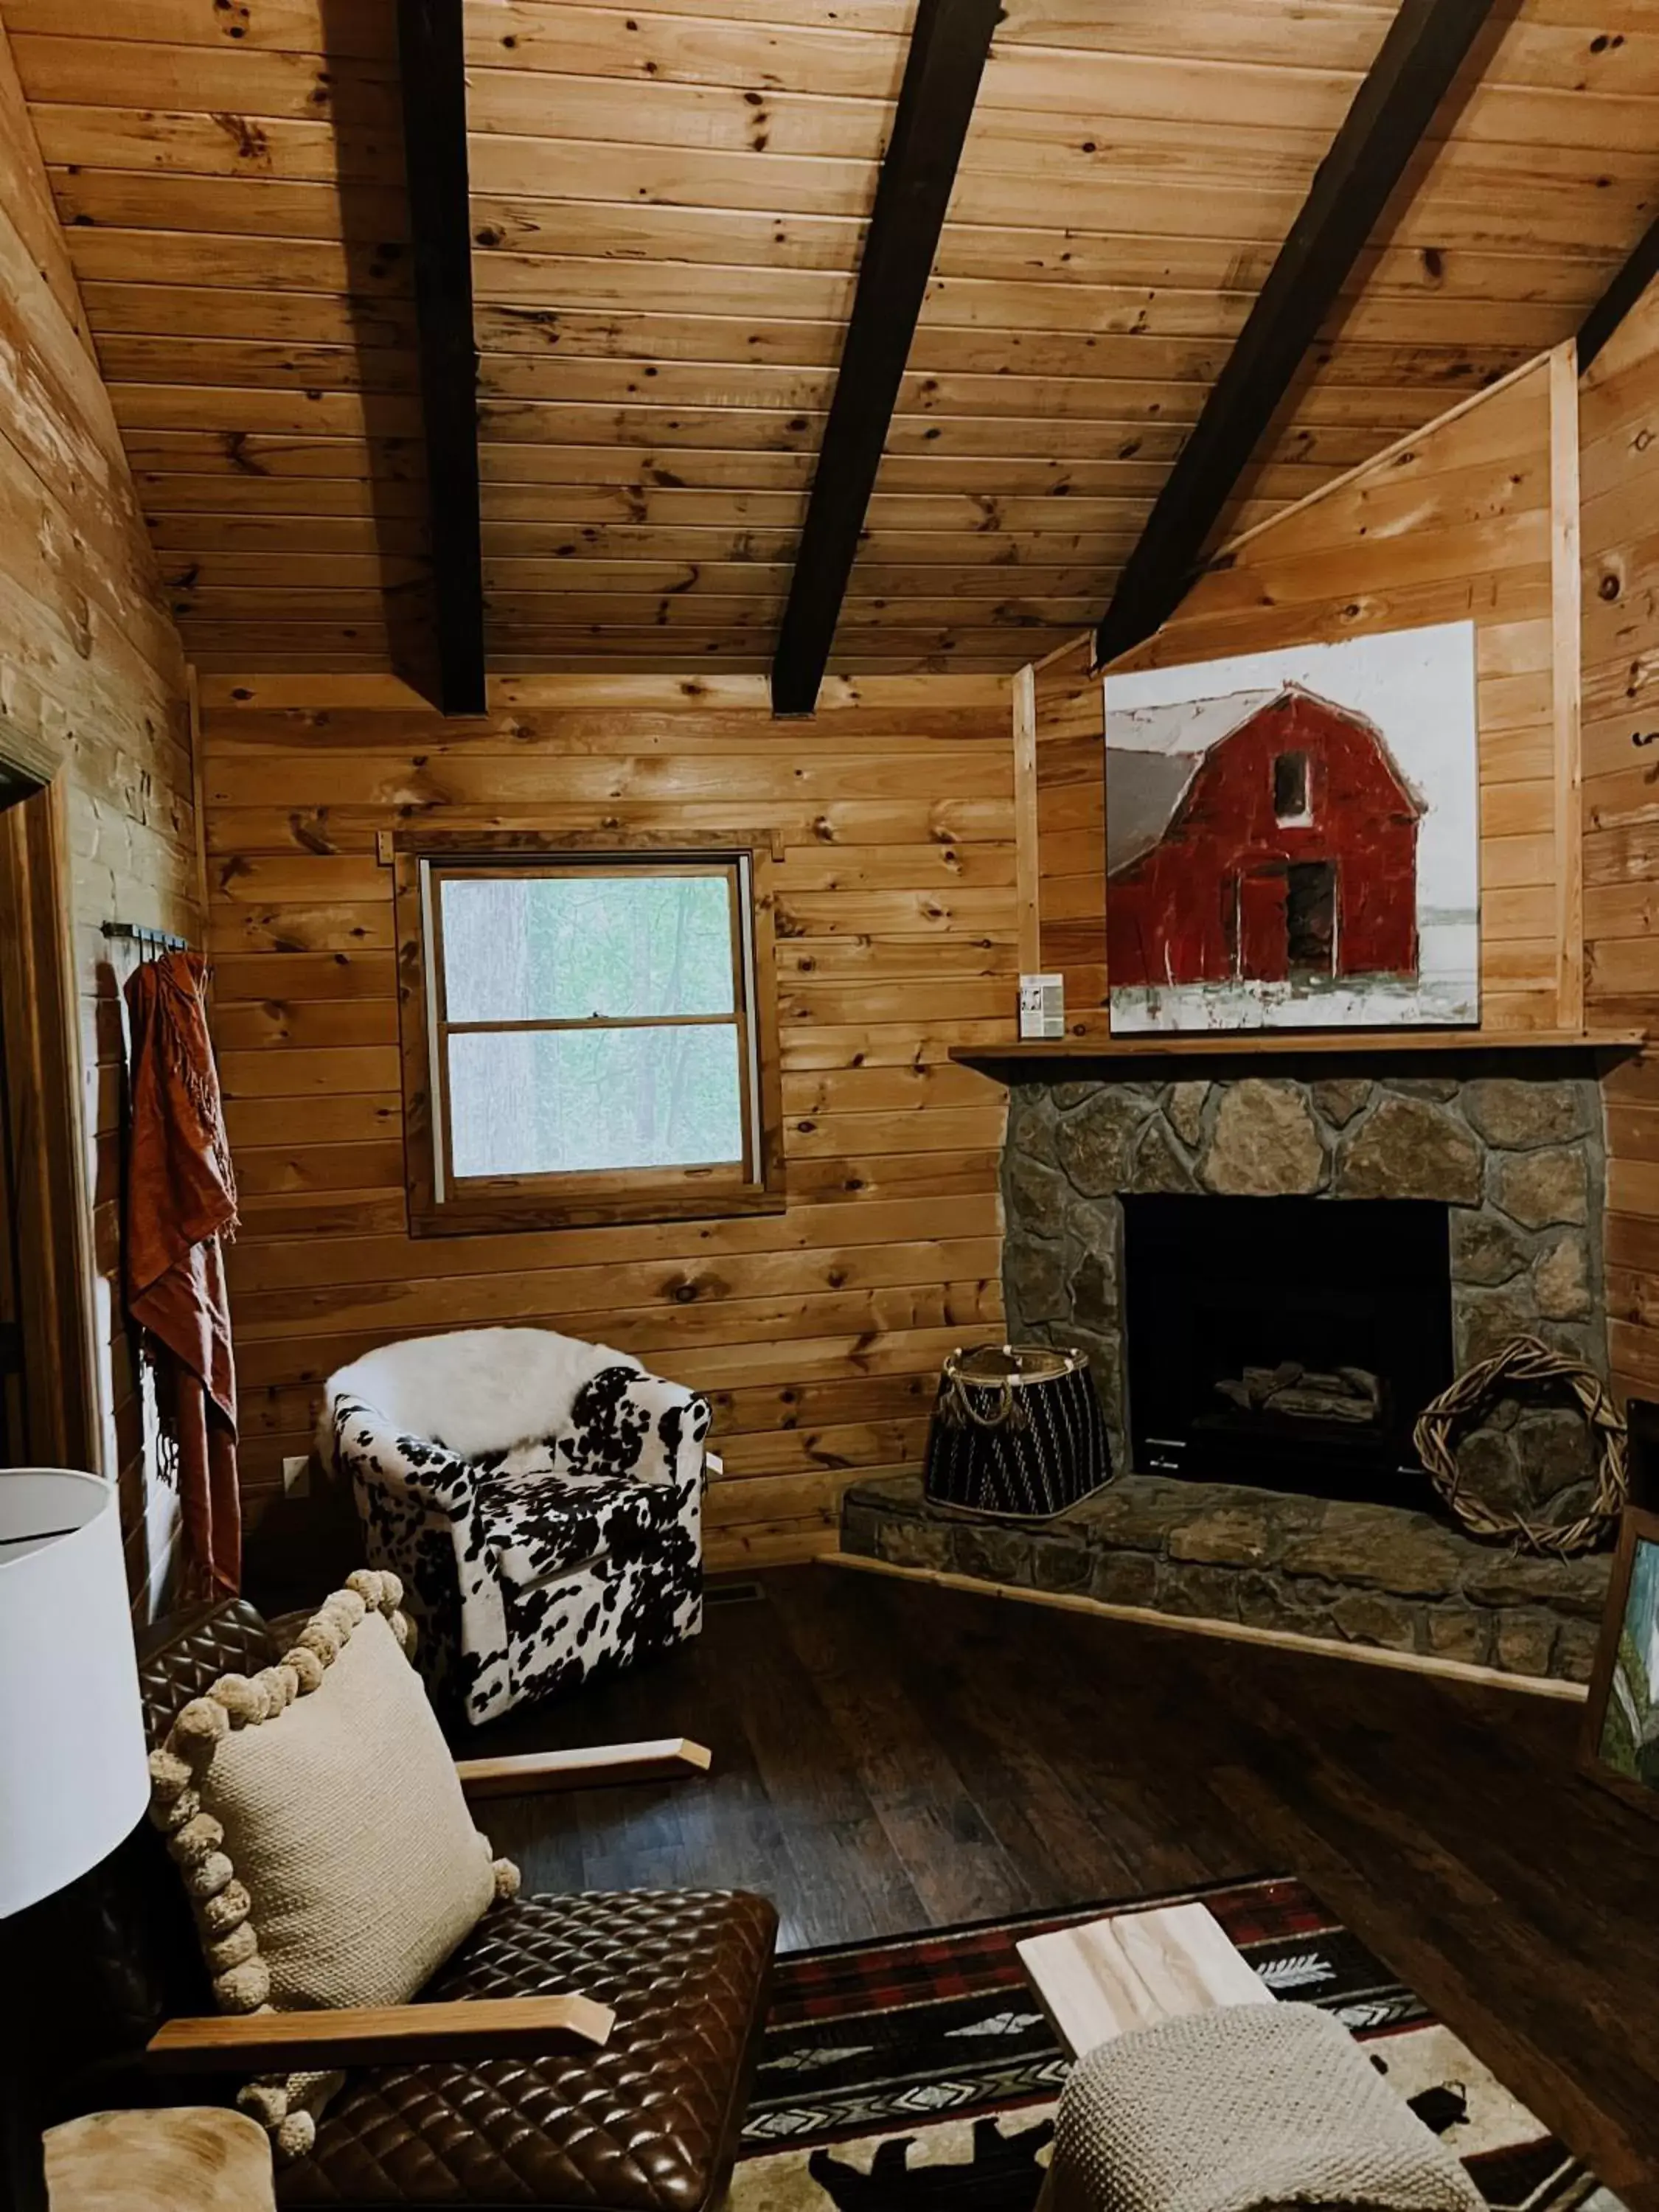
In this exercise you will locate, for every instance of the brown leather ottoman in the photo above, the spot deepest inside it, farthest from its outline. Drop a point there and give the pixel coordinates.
(649, 2124)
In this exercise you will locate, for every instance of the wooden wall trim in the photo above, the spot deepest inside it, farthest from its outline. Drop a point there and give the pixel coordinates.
(1566, 648)
(1225, 1631)
(62, 1424)
(1027, 875)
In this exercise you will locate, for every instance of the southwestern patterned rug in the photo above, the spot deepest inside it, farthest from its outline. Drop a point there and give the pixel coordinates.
(919, 2076)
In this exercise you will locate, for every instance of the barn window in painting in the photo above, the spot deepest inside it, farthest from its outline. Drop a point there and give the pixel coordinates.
(1290, 802)
(1292, 837)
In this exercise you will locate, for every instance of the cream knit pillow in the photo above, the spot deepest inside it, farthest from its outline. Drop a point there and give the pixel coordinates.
(314, 1812)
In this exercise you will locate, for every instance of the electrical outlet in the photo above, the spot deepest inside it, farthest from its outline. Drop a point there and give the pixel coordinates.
(296, 1476)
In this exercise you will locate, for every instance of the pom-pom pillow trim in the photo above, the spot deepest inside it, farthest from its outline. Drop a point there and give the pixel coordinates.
(227, 1910)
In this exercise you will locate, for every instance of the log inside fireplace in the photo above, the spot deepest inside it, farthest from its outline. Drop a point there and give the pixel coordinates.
(1305, 1393)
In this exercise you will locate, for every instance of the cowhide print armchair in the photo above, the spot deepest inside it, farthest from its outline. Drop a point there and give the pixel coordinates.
(541, 1498)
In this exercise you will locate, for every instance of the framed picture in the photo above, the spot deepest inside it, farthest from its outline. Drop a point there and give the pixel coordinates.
(1620, 1748)
(1292, 837)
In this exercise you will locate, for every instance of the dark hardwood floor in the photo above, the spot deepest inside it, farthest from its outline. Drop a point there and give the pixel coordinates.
(890, 1756)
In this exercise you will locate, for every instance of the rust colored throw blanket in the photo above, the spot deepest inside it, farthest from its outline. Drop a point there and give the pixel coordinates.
(181, 1199)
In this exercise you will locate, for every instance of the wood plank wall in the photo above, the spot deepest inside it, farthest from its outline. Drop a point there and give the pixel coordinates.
(1620, 470)
(1459, 521)
(90, 664)
(819, 1331)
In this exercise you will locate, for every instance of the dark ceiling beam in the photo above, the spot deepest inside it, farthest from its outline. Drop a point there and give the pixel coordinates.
(432, 68)
(1427, 44)
(948, 47)
(1620, 296)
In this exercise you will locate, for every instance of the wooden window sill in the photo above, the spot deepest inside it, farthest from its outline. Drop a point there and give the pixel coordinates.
(484, 1217)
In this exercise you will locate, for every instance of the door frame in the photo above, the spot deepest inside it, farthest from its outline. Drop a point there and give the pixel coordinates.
(62, 1425)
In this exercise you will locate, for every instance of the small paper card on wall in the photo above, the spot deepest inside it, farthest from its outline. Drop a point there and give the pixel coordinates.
(1292, 838)
(1042, 1006)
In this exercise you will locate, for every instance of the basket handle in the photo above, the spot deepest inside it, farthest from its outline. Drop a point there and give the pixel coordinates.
(958, 1410)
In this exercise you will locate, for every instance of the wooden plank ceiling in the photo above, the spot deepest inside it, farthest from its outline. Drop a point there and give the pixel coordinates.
(667, 205)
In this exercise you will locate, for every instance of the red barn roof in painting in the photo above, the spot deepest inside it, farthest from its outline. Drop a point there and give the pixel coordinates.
(1258, 837)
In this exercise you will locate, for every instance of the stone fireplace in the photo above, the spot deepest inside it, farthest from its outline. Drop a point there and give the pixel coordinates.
(1516, 1161)
(1271, 1273)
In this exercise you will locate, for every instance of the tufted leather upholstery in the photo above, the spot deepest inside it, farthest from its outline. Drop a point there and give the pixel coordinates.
(181, 1658)
(649, 2124)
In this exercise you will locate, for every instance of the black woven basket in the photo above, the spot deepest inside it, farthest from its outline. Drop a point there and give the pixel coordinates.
(1017, 1433)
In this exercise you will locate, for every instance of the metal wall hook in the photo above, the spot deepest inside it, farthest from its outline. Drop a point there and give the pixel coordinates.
(146, 939)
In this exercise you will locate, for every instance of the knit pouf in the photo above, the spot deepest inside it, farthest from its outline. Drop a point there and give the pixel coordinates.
(1241, 2109)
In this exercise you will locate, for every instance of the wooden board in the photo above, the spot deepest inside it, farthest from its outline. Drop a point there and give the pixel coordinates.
(665, 1759)
(1107, 1977)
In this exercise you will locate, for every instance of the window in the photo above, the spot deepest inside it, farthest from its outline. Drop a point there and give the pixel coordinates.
(1292, 798)
(589, 1041)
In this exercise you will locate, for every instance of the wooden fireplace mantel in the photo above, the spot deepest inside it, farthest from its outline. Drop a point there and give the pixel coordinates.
(1294, 1044)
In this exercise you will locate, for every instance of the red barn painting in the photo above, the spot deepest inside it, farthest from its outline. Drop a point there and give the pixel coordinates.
(1261, 838)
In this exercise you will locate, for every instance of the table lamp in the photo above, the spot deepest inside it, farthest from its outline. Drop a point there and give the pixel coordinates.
(74, 1778)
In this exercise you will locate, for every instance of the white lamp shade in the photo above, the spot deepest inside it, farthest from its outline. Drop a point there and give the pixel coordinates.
(74, 1778)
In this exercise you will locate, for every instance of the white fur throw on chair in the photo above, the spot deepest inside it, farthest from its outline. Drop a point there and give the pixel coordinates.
(541, 1498)
(479, 1390)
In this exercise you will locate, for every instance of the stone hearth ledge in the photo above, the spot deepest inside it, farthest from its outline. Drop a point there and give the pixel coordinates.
(1372, 1574)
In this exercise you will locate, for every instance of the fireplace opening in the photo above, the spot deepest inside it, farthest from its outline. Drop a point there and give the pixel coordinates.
(1287, 1343)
